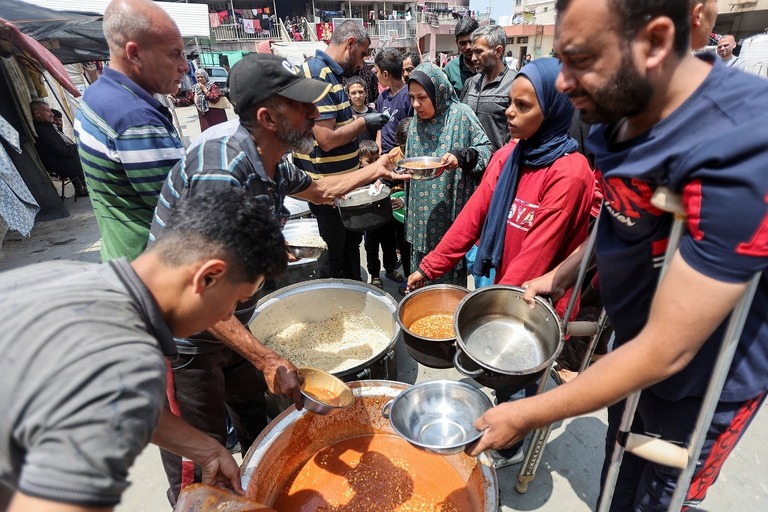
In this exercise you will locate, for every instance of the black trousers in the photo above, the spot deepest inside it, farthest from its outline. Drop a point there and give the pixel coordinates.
(405, 248)
(205, 386)
(386, 237)
(342, 259)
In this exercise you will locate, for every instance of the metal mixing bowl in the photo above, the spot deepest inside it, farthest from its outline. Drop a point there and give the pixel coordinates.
(439, 415)
(421, 167)
(294, 230)
(323, 393)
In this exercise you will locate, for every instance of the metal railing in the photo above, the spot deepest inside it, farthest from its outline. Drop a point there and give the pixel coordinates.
(385, 29)
(236, 32)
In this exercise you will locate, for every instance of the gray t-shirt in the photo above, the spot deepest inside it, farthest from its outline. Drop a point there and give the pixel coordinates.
(83, 378)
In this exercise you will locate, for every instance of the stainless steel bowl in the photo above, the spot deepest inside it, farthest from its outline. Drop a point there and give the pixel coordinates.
(294, 230)
(421, 167)
(438, 416)
(323, 393)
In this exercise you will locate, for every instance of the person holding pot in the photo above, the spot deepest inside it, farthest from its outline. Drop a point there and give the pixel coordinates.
(653, 129)
(226, 367)
(450, 130)
(532, 208)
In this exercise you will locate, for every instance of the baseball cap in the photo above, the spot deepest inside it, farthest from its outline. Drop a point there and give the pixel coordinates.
(259, 76)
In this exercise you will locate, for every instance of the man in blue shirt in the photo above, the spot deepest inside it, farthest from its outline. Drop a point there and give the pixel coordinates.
(126, 138)
(394, 100)
(656, 132)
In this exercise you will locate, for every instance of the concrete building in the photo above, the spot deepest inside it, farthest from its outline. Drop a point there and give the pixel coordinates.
(531, 29)
(742, 18)
(427, 26)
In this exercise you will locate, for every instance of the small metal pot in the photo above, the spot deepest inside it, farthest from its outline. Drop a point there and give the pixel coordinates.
(361, 211)
(430, 300)
(502, 342)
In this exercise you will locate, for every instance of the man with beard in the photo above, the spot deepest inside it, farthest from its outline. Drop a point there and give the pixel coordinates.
(628, 64)
(488, 91)
(226, 367)
(336, 147)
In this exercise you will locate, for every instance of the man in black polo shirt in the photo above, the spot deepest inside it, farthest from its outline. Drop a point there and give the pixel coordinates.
(336, 147)
(226, 366)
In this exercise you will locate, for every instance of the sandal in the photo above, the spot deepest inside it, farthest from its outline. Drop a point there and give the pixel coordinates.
(394, 276)
(375, 281)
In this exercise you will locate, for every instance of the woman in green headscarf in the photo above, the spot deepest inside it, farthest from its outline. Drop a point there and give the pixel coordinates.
(450, 130)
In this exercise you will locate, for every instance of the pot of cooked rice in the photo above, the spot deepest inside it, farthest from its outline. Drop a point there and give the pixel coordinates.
(355, 461)
(346, 328)
(426, 317)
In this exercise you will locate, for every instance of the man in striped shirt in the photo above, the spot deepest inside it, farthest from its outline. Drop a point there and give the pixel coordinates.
(126, 138)
(226, 366)
(336, 148)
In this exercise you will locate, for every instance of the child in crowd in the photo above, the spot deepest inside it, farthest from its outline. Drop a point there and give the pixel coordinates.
(395, 155)
(357, 99)
(384, 236)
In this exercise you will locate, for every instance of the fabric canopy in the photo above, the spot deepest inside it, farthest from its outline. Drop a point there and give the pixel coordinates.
(71, 37)
(24, 43)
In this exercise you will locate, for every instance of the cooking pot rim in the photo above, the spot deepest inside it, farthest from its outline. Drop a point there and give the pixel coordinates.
(389, 388)
(360, 197)
(311, 284)
(540, 302)
(422, 290)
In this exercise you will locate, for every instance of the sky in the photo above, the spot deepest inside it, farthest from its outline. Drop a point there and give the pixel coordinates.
(498, 7)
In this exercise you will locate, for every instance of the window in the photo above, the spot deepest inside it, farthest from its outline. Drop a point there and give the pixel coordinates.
(518, 3)
(522, 40)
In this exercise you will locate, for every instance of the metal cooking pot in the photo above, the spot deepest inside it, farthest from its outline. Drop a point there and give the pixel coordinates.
(362, 211)
(318, 300)
(296, 436)
(502, 342)
(430, 300)
(298, 208)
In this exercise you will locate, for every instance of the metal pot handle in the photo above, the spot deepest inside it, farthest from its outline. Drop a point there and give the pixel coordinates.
(463, 370)
(365, 373)
(386, 408)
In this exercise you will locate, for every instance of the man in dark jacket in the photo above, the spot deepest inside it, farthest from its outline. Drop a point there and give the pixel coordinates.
(59, 156)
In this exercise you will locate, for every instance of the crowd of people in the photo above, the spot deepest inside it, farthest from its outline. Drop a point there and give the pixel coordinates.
(152, 345)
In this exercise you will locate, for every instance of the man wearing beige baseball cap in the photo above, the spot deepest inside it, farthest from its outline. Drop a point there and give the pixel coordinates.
(226, 367)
